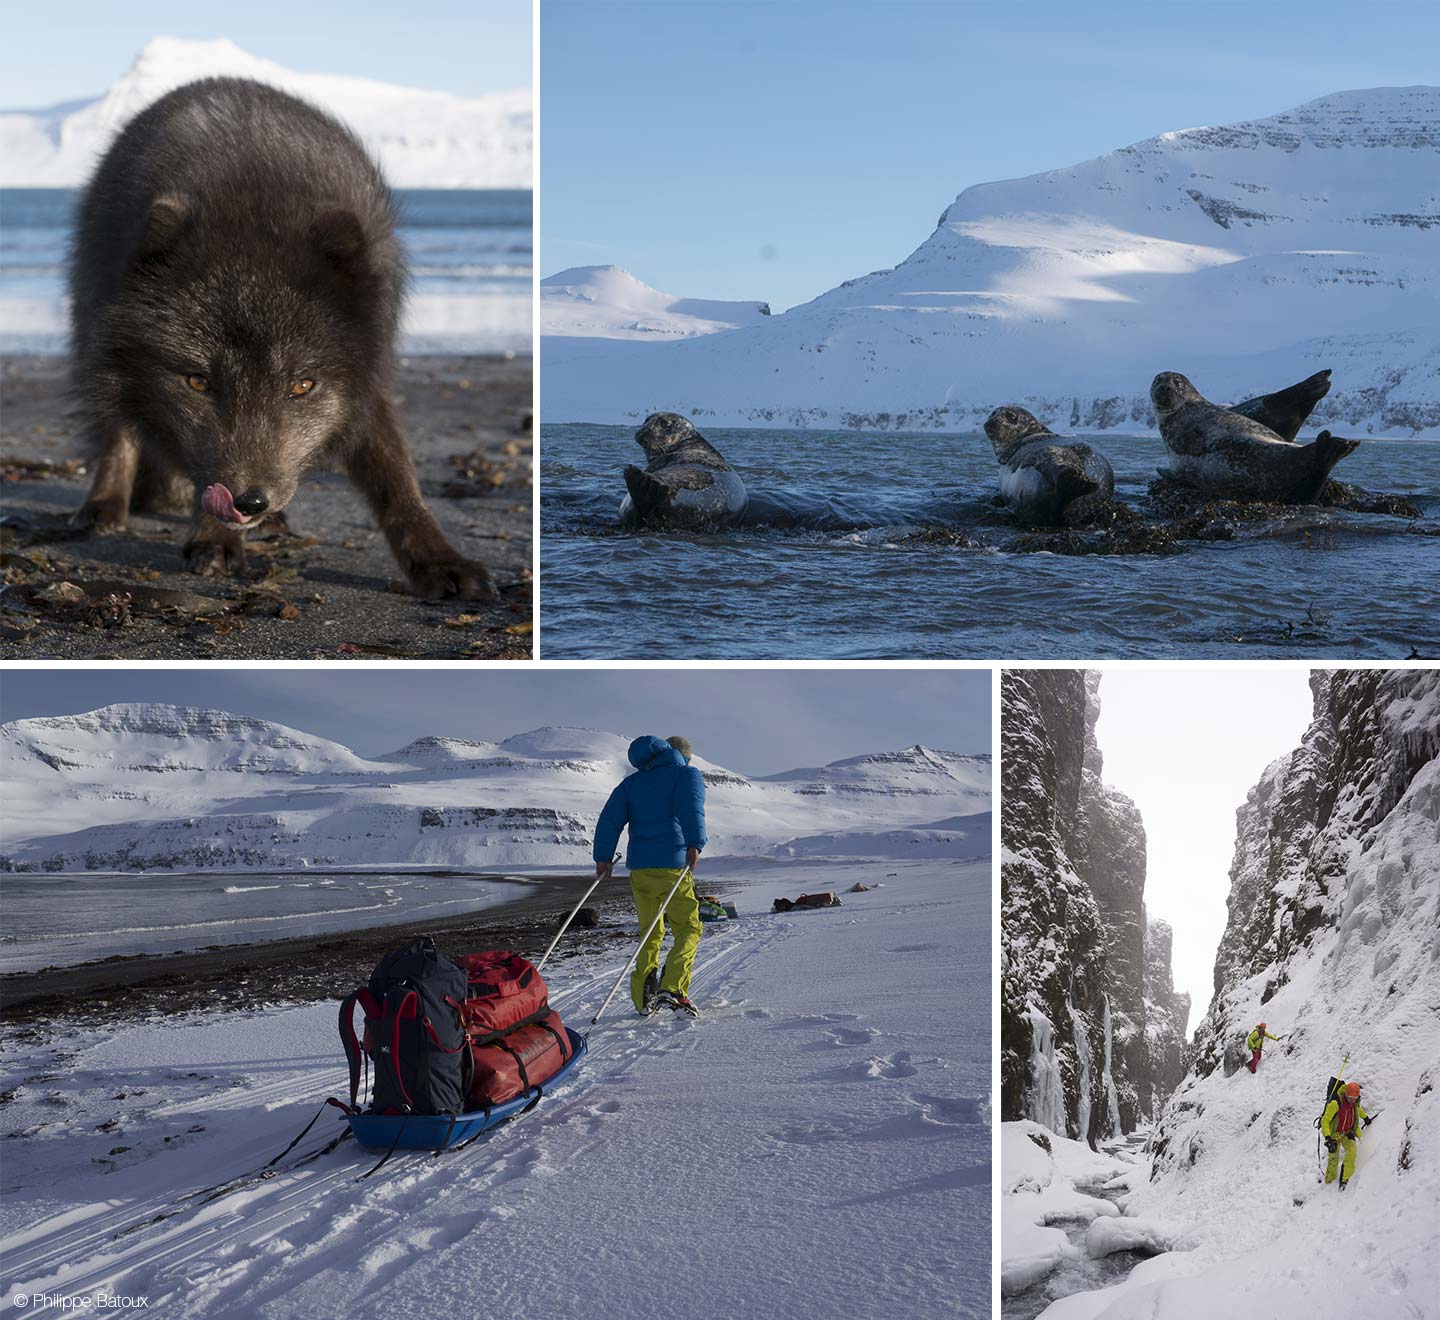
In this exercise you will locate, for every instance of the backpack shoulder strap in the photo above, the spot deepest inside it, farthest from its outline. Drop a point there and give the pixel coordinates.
(349, 1041)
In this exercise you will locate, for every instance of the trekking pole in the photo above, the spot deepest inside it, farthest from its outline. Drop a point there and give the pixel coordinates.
(625, 971)
(566, 924)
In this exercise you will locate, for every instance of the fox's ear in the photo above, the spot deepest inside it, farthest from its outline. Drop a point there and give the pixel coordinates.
(340, 236)
(169, 217)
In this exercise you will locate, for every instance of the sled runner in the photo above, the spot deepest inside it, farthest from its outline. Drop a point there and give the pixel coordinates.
(439, 1132)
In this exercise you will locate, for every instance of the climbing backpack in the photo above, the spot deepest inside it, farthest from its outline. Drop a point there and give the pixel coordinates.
(414, 1033)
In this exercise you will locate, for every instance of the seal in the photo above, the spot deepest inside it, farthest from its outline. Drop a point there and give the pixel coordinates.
(1223, 452)
(685, 480)
(1285, 411)
(1048, 479)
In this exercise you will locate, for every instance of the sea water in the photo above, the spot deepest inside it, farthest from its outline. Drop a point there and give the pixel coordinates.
(59, 919)
(469, 252)
(820, 569)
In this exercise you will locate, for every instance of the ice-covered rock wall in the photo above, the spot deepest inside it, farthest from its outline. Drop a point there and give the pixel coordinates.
(1075, 932)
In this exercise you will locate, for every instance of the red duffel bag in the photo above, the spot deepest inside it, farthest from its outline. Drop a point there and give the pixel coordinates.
(518, 1062)
(504, 991)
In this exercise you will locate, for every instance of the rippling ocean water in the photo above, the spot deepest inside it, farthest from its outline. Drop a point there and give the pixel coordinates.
(75, 918)
(821, 572)
(470, 254)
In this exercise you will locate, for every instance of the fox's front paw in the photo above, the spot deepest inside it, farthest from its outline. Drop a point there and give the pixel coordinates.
(104, 515)
(440, 578)
(215, 558)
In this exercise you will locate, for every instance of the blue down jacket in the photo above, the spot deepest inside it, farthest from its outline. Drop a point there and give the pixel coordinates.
(663, 803)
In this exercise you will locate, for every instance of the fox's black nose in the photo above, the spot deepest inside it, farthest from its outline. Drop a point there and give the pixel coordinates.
(251, 503)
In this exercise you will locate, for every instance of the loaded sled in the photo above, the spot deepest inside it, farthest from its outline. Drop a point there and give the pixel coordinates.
(449, 1049)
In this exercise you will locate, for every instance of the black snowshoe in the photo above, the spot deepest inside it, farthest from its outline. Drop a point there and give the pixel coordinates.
(650, 995)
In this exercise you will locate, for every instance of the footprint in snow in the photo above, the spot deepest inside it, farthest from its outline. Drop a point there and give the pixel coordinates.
(851, 1035)
(876, 1066)
(948, 1110)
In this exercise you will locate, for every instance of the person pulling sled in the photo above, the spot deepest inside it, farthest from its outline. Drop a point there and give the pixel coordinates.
(1341, 1125)
(1255, 1042)
(663, 806)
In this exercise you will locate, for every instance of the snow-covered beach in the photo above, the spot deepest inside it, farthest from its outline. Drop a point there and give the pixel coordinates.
(817, 1143)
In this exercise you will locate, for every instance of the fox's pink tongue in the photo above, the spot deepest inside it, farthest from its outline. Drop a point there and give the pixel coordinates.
(219, 503)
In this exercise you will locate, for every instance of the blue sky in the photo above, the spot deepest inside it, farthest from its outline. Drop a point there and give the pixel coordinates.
(733, 149)
(76, 49)
(755, 721)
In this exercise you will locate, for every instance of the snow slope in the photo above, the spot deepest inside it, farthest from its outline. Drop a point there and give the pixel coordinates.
(1343, 960)
(817, 1144)
(605, 302)
(422, 139)
(163, 787)
(1247, 256)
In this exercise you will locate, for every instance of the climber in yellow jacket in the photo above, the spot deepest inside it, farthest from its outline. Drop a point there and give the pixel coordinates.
(1255, 1042)
(1340, 1125)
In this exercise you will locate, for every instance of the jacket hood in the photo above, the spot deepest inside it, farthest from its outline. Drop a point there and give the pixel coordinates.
(648, 752)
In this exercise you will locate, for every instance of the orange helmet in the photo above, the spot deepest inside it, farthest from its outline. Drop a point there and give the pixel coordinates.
(1261, 1027)
(1352, 1090)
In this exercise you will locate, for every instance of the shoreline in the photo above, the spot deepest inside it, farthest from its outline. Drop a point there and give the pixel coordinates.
(298, 968)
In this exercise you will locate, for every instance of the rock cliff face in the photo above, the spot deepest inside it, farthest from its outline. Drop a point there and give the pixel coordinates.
(1303, 828)
(1078, 1052)
(1166, 1015)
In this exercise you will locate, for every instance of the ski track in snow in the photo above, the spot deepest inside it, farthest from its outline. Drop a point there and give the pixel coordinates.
(872, 1097)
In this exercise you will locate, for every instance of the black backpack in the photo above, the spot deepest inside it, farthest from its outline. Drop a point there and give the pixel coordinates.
(414, 1033)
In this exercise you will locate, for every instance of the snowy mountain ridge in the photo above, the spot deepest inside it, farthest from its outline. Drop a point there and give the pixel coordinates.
(422, 139)
(606, 302)
(1246, 255)
(167, 787)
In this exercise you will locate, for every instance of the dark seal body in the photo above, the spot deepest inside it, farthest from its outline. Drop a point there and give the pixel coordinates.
(236, 290)
(686, 481)
(1224, 452)
(1049, 480)
(1286, 411)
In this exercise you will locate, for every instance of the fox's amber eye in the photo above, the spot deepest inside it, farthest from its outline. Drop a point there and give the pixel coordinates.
(197, 382)
(301, 388)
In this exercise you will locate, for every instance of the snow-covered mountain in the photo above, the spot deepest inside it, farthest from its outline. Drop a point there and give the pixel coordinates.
(168, 787)
(605, 302)
(423, 139)
(1246, 256)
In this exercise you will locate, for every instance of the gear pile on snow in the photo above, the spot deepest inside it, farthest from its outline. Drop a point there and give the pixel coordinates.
(826, 899)
(713, 908)
(449, 1037)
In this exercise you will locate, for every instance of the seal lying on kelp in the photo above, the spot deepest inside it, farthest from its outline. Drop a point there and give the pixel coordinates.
(686, 480)
(1285, 411)
(1048, 479)
(1226, 453)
